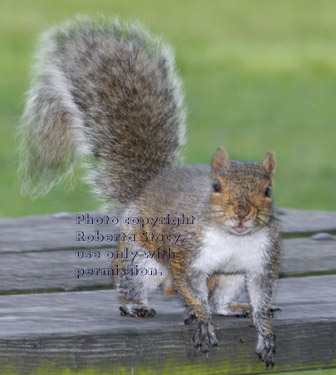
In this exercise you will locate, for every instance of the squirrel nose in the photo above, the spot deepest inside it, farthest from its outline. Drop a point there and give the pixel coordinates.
(241, 212)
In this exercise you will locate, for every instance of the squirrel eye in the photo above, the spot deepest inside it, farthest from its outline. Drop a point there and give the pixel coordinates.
(216, 186)
(268, 191)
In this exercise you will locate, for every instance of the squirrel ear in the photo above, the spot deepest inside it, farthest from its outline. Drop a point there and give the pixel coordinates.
(220, 161)
(269, 163)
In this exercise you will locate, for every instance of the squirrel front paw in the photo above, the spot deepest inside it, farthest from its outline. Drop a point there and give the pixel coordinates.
(204, 337)
(266, 349)
(137, 311)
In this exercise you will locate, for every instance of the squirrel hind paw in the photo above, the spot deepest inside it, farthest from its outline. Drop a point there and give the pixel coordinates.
(137, 311)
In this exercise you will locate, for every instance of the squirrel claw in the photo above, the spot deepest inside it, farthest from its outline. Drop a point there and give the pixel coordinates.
(273, 310)
(268, 363)
(266, 351)
(204, 337)
(123, 311)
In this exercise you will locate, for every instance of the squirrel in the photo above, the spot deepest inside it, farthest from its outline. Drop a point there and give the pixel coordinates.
(109, 92)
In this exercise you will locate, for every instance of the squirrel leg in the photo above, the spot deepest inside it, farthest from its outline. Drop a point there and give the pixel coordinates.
(133, 287)
(261, 289)
(224, 290)
(133, 296)
(245, 311)
(193, 289)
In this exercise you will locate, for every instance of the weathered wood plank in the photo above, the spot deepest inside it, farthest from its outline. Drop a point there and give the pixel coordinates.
(45, 270)
(306, 221)
(306, 256)
(84, 329)
(300, 345)
(49, 232)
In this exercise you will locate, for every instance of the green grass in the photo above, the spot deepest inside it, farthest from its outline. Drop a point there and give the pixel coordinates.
(314, 372)
(51, 370)
(259, 75)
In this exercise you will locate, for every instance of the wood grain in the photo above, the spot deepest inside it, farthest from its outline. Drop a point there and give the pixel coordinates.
(50, 232)
(84, 329)
(56, 270)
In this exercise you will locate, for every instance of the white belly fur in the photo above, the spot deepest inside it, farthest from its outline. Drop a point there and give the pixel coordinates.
(229, 253)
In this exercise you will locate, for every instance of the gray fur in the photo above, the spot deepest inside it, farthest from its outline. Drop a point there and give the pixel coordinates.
(108, 91)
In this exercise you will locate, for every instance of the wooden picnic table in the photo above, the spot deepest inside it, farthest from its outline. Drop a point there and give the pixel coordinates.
(50, 318)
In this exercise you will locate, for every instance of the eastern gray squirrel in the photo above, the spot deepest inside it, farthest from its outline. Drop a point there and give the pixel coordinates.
(109, 92)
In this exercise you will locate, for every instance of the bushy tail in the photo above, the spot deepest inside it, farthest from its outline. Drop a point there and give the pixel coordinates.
(108, 92)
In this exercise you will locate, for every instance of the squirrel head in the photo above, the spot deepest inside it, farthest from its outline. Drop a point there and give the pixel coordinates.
(241, 198)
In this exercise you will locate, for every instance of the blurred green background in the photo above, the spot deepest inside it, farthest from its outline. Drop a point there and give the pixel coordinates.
(259, 75)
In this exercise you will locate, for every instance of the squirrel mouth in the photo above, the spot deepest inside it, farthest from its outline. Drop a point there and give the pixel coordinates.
(240, 229)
